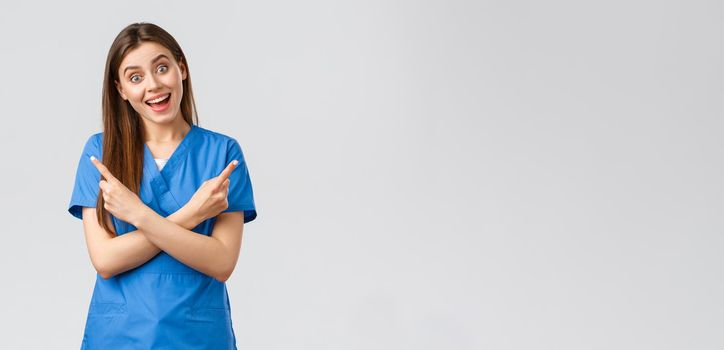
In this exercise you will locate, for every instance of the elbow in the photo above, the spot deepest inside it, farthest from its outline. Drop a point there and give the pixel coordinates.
(104, 274)
(104, 271)
(223, 276)
(100, 268)
(222, 279)
(224, 270)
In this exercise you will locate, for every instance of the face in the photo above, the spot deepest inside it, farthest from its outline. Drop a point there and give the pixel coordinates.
(147, 74)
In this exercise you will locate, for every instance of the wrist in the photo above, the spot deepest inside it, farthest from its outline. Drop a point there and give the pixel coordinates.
(187, 217)
(142, 217)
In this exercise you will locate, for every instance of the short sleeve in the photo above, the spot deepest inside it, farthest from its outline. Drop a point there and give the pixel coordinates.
(87, 177)
(241, 194)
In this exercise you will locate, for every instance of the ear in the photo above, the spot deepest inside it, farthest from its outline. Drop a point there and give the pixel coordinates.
(120, 90)
(182, 67)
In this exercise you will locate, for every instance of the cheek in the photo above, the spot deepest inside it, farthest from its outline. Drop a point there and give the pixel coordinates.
(135, 96)
(173, 81)
(178, 83)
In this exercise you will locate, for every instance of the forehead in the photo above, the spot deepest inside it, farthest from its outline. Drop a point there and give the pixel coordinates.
(143, 54)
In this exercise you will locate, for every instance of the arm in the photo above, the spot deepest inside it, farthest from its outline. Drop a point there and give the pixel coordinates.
(113, 255)
(214, 255)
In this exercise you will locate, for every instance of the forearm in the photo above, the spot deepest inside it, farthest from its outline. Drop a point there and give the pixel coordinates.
(132, 249)
(203, 253)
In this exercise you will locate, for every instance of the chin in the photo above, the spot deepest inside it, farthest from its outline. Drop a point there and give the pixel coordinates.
(165, 119)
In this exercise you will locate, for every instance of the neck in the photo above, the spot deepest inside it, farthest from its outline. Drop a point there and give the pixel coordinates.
(163, 133)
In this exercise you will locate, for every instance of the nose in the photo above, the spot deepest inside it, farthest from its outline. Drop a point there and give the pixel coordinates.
(152, 83)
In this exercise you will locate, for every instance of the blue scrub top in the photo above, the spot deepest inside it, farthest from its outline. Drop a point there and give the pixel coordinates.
(165, 303)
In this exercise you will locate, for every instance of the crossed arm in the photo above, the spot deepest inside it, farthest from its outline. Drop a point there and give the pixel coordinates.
(214, 255)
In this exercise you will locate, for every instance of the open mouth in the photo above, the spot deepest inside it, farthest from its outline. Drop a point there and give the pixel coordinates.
(159, 103)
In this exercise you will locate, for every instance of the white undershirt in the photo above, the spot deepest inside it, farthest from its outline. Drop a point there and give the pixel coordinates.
(160, 163)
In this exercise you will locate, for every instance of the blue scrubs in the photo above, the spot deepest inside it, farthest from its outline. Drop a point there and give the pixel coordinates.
(165, 304)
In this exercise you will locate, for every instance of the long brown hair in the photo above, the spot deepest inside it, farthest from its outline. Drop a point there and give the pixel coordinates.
(123, 139)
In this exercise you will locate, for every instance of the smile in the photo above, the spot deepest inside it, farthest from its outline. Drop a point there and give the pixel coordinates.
(158, 100)
(160, 104)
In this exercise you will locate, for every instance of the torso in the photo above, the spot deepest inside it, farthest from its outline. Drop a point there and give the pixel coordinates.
(164, 302)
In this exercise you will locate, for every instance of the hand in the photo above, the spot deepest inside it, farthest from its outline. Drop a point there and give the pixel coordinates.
(119, 200)
(211, 198)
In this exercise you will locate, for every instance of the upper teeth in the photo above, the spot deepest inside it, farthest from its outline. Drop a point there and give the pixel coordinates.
(159, 99)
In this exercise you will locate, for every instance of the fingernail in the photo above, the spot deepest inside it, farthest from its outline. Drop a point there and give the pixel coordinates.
(235, 162)
(92, 158)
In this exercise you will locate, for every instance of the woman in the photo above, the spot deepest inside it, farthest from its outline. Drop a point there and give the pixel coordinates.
(163, 203)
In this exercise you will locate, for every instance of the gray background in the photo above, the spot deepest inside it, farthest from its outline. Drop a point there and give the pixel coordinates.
(428, 174)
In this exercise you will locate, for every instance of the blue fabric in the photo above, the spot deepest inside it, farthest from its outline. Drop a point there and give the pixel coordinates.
(165, 304)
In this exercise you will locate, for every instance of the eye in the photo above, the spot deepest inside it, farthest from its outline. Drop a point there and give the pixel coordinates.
(134, 76)
(164, 68)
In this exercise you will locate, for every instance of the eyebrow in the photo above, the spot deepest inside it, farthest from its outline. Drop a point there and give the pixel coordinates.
(152, 62)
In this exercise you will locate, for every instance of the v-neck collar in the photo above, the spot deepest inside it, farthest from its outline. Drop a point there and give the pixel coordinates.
(158, 181)
(173, 161)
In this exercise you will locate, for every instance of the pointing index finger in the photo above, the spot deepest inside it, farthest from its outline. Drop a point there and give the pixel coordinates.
(102, 168)
(227, 171)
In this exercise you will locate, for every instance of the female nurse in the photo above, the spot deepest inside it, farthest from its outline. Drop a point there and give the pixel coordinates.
(163, 204)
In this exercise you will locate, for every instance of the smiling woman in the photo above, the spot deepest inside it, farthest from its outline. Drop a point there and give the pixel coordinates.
(150, 64)
(163, 203)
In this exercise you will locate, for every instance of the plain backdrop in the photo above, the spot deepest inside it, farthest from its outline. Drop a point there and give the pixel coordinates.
(427, 174)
